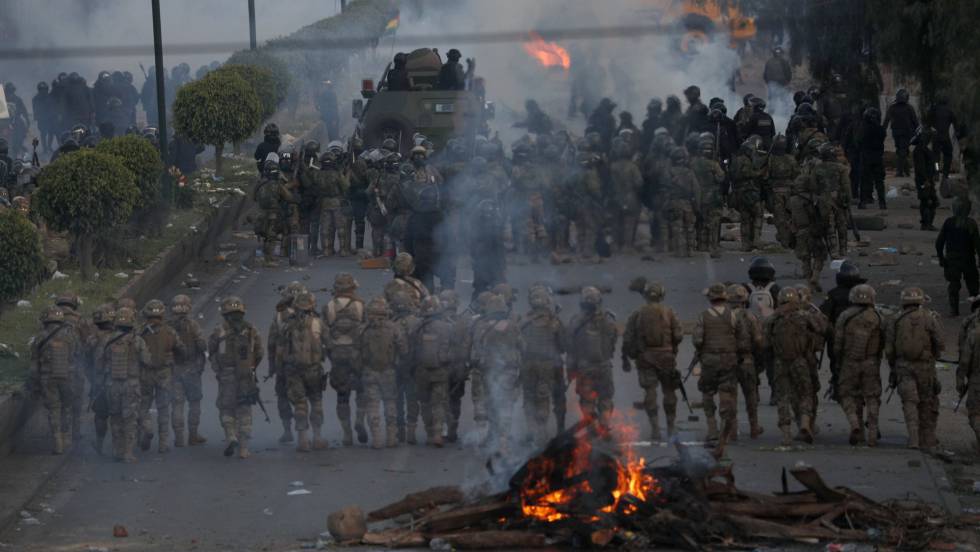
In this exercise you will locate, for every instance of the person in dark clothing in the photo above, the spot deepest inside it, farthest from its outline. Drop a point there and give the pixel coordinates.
(270, 144)
(924, 162)
(778, 74)
(101, 92)
(653, 121)
(45, 115)
(423, 192)
(725, 133)
(742, 117)
(901, 117)
(837, 301)
(849, 124)
(487, 252)
(871, 147)
(452, 76)
(760, 123)
(20, 119)
(127, 93)
(942, 118)
(183, 154)
(537, 121)
(397, 78)
(149, 96)
(326, 104)
(696, 116)
(603, 122)
(673, 119)
(957, 247)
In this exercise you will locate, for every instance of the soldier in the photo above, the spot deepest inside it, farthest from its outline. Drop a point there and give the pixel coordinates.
(343, 315)
(809, 227)
(683, 203)
(69, 304)
(405, 282)
(711, 178)
(497, 345)
(834, 186)
(284, 312)
(530, 182)
(331, 190)
(404, 309)
(543, 335)
(858, 343)
(627, 184)
(380, 344)
(301, 351)
(837, 301)
(235, 349)
(157, 379)
(901, 116)
(270, 194)
(819, 331)
(592, 343)
(430, 351)
(749, 351)
(53, 354)
(783, 170)
(748, 173)
(103, 319)
(478, 385)
(926, 166)
(957, 247)
(656, 181)
(785, 339)
(652, 336)
(187, 373)
(967, 377)
(361, 176)
(870, 137)
(717, 338)
(587, 210)
(123, 355)
(458, 361)
(913, 343)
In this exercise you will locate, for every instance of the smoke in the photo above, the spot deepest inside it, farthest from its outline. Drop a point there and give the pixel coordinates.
(56, 24)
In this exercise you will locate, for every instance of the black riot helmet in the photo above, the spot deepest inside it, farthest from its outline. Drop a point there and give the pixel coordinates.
(271, 130)
(902, 96)
(42, 86)
(454, 55)
(286, 162)
(849, 275)
(762, 270)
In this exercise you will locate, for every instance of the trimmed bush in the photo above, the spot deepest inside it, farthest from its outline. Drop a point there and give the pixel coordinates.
(20, 254)
(142, 159)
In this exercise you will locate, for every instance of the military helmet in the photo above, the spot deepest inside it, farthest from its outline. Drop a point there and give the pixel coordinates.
(305, 301)
(420, 150)
(805, 109)
(961, 206)
(806, 295)
(902, 96)
(762, 270)
(788, 295)
(327, 159)
(154, 309)
(67, 299)
(827, 151)
(539, 298)
(506, 291)
(404, 264)
(862, 294)
(495, 305)
(271, 129)
(389, 144)
(738, 294)
(454, 54)
(344, 282)
(430, 306)
(747, 99)
(692, 92)
(52, 314)
(311, 149)
(872, 114)
(848, 273)
(779, 145)
(292, 290)
(180, 304)
(483, 299)
(591, 296)
(758, 103)
(125, 303)
(678, 156)
(125, 318)
(378, 308)
(232, 304)
(913, 296)
(654, 291)
(655, 105)
(104, 314)
(716, 292)
(449, 299)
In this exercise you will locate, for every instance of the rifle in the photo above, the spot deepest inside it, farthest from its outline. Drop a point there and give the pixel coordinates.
(891, 391)
(686, 401)
(854, 228)
(960, 401)
(145, 76)
(690, 369)
(254, 397)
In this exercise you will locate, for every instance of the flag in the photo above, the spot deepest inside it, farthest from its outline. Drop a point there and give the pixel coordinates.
(392, 25)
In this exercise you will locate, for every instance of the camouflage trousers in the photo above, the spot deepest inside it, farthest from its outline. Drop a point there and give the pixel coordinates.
(794, 390)
(748, 382)
(659, 369)
(833, 220)
(625, 224)
(586, 230)
(709, 231)
(236, 414)
(156, 388)
(77, 402)
(344, 380)
(535, 235)
(124, 414)
(859, 385)
(457, 389)
(778, 202)
(333, 228)
(595, 389)
(58, 396)
(379, 389)
(812, 253)
(283, 405)
(719, 377)
(406, 400)
(187, 392)
(750, 224)
(537, 381)
(478, 393)
(270, 229)
(503, 392)
(432, 390)
(919, 390)
(304, 387)
(680, 227)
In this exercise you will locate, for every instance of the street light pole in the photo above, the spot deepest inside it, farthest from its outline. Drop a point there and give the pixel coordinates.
(251, 24)
(159, 75)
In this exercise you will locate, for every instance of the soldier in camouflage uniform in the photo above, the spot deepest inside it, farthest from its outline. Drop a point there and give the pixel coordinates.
(968, 372)
(69, 304)
(343, 315)
(530, 181)
(711, 177)
(785, 338)
(405, 282)
(157, 380)
(749, 350)
(588, 205)
(652, 336)
(103, 319)
(301, 351)
(783, 170)
(497, 346)
(859, 339)
(431, 346)
(403, 311)
(834, 185)
(187, 373)
(284, 311)
(717, 338)
(748, 176)
(271, 195)
(53, 354)
(458, 363)
(808, 226)
(820, 331)
(474, 327)
(235, 349)
(592, 343)
(331, 190)
(544, 338)
(380, 344)
(913, 343)
(627, 184)
(683, 196)
(656, 181)
(122, 356)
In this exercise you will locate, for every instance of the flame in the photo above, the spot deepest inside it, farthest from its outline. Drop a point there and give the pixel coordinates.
(539, 501)
(548, 54)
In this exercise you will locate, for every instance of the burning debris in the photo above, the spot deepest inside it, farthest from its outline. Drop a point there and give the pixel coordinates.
(588, 488)
(548, 54)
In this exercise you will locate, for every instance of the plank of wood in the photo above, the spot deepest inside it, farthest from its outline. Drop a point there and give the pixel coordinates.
(427, 499)
(760, 528)
(395, 538)
(466, 516)
(773, 510)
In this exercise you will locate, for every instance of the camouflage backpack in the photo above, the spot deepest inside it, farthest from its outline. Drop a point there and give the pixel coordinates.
(499, 344)
(344, 316)
(267, 194)
(302, 340)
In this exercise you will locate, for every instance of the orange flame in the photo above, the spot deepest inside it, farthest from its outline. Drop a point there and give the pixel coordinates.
(548, 54)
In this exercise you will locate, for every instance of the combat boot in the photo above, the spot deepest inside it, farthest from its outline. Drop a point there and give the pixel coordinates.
(59, 444)
(671, 430)
(712, 429)
(302, 441)
(410, 434)
(787, 436)
(243, 452)
(913, 429)
(362, 434)
(654, 426)
(319, 443)
(348, 434)
(233, 445)
(391, 436)
(806, 434)
(145, 441)
(195, 438)
(179, 441)
(452, 435)
(287, 432)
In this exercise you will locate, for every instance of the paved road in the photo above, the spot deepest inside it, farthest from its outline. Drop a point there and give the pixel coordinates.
(194, 498)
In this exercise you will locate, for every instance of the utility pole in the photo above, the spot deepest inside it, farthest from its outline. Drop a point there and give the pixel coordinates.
(343, 6)
(161, 91)
(251, 24)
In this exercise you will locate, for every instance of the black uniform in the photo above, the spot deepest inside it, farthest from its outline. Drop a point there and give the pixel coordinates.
(942, 118)
(20, 122)
(957, 246)
(871, 151)
(901, 116)
(837, 301)
(46, 116)
(761, 124)
(451, 76)
(924, 161)
(269, 145)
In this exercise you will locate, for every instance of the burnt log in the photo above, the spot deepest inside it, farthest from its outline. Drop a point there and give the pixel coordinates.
(774, 510)
(395, 538)
(422, 500)
(466, 516)
(761, 529)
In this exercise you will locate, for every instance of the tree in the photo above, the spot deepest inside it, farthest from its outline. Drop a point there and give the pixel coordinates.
(143, 160)
(86, 193)
(262, 83)
(222, 107)
(281, 80)
(20, 254)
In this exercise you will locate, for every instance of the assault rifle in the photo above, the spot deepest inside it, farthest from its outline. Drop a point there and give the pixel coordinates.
(254, 397)
(695, 360)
